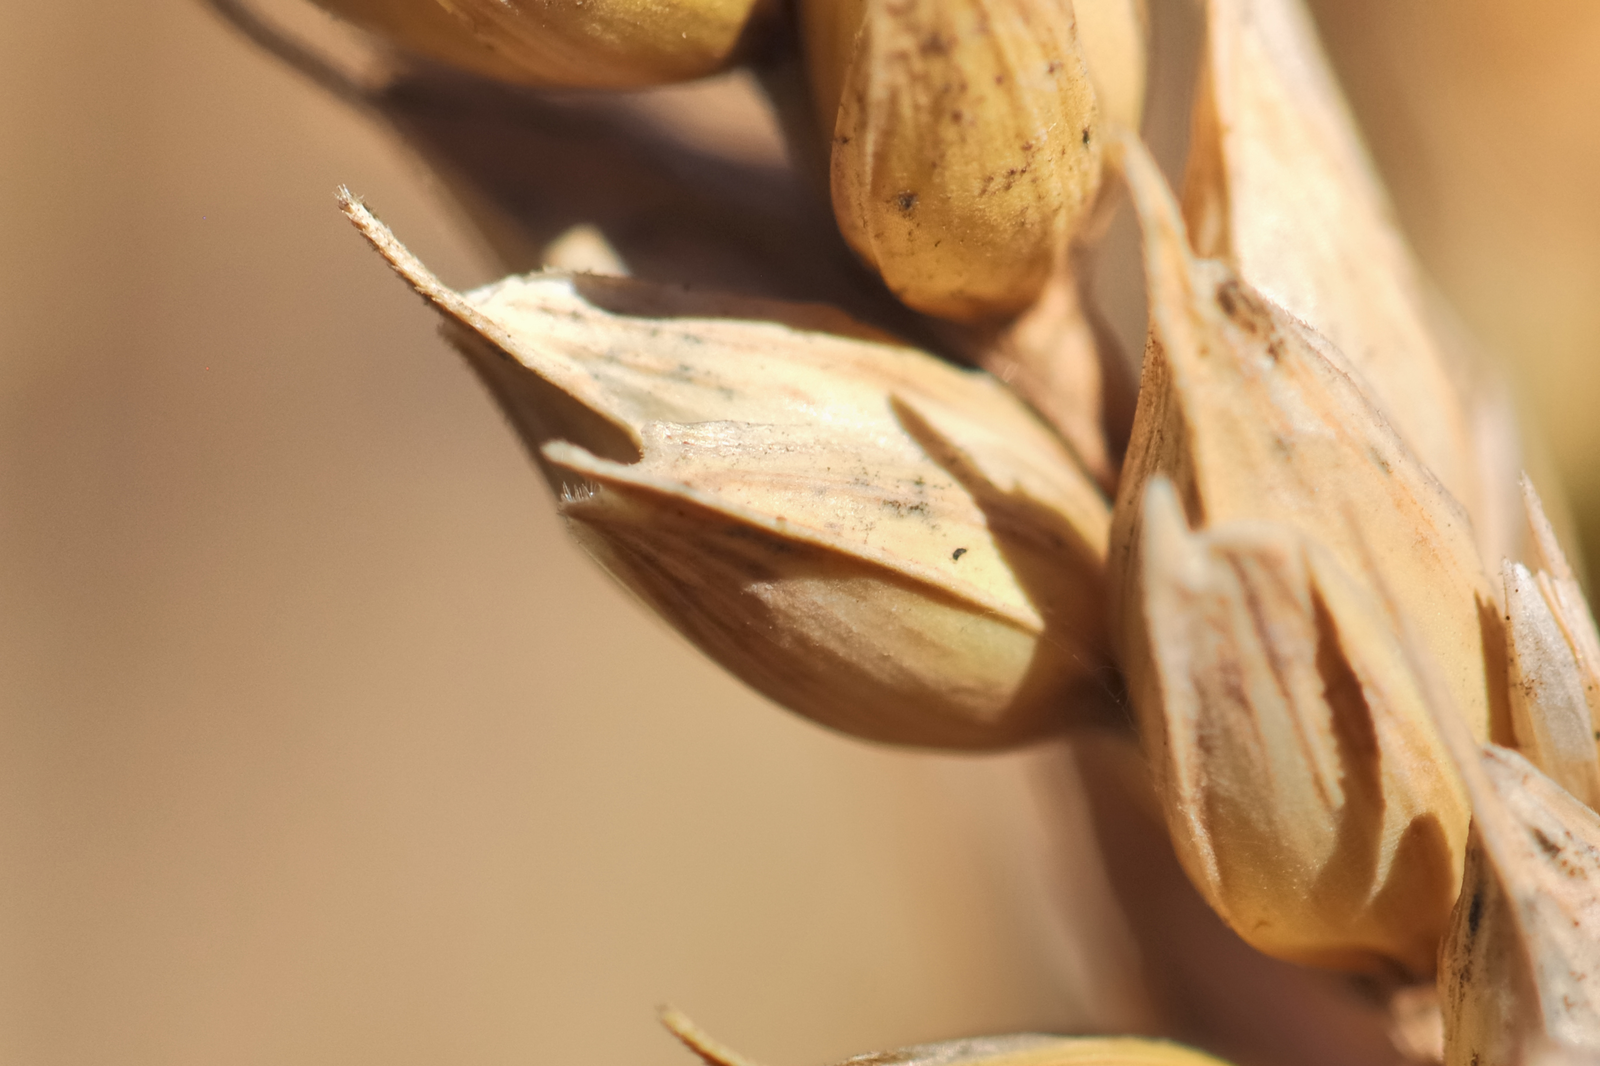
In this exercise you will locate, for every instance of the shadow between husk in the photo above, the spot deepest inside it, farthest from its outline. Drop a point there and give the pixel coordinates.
(1059, 572)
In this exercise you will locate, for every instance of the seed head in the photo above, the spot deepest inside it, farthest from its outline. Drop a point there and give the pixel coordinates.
(1280, 187)
(1550, 715)
(1254, 417)
(1518, 972)
(872, 537)
(1307, 793)
(966, 146)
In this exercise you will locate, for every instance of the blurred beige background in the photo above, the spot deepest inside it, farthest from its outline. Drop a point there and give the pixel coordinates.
(318, 742)
(1485, 118)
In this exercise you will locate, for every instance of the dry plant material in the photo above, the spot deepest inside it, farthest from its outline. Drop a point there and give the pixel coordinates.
(1015, 1049)
(1308, 795)
(1280, 187)
(1553, 661)
(1517, 974)
(903, 550)
(883, 542)
(1254, 417)
(1564, 595)
(1550, 714)
(1052, 356)
(965, 155)
(966, 145)
(583, 249)
(1114, 36)
(601, 44)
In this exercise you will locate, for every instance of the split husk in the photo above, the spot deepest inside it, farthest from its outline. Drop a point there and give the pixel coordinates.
(1253, 416)
(1308, 795)
(883, 542)
(1517, 974)
(1280, 187)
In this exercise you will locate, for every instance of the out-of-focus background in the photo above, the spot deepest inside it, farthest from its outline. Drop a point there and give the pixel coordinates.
(320, 744)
